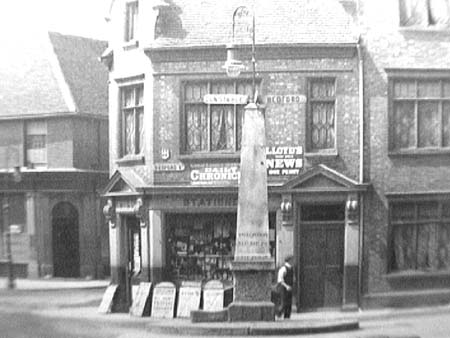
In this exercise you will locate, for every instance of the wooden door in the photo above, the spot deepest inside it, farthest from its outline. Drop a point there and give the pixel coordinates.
(321, 264)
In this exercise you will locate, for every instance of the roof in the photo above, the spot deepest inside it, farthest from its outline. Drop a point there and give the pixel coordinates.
(49, 73)
(189, 23)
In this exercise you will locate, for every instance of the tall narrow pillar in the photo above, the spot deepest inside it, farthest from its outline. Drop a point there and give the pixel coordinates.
(252, 266)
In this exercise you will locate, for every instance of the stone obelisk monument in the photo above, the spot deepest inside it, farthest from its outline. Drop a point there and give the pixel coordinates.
(252, 265)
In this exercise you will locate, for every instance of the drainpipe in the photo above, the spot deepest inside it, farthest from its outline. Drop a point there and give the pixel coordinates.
(361, 165)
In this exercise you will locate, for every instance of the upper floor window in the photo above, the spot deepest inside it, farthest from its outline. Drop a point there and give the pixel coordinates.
(321, 115)
(36, 143)
(420, 235)
(212, 127)
(424, 13)
(132, 110)
(131, 17)
(420, 114)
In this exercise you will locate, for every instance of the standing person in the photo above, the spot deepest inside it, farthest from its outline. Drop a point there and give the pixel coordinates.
(285, 284)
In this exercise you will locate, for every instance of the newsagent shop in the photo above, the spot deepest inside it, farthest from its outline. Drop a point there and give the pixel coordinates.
(175, 137)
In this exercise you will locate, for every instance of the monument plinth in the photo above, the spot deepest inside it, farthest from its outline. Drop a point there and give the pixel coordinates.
(252, 265)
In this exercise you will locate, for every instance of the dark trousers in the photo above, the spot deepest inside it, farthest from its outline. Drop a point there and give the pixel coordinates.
(285, 302)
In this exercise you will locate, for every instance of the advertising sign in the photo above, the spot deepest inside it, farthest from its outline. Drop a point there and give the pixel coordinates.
(215, 174)
(225, 99)
(284, 160)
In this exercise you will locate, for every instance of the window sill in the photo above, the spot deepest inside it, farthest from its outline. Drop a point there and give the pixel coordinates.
(417, 275)
(322, 153)
(133, 44)
(232, 157)
(130, 160)
(419, 152)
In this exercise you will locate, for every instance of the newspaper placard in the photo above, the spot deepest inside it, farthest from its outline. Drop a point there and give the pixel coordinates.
(163, 303)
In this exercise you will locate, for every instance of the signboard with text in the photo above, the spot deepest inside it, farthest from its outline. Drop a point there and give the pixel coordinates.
(163, 303)
(283, 161)
(215, 174)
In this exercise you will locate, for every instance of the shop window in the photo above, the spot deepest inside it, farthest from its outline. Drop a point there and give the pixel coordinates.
(132, 110)
(131, 17)
(420, 114)
(17, 217)
(212, 127)
(321, 115)
(424, 13)
(36, 143)
(420, 236)
(201, 247)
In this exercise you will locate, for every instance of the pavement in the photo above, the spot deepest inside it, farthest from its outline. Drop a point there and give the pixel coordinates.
(362, 323)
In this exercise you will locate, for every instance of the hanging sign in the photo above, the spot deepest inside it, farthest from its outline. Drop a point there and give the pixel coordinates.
(285, 99)
(225, 99)
(284, 160)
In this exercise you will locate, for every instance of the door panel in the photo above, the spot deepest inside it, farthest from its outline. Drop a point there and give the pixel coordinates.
(321, 264)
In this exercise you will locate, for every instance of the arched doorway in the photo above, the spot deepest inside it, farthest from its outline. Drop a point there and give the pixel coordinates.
(66, 253)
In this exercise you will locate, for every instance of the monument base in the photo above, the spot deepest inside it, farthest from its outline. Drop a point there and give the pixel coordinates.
(252, 291)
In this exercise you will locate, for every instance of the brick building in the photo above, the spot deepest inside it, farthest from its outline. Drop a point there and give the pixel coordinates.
(175, 124)
(406, 239)
(53, 154)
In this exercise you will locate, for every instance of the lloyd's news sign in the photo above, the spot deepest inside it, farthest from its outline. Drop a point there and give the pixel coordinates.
(280, 161)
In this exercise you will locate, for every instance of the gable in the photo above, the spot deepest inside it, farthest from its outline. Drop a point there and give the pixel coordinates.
(319, 181)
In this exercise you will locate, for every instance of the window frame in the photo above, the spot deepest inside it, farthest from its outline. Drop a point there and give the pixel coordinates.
(429, 25)
(134, 109)
(185, 153)
(131, 21)
(416, 222)
(34, 124)
(393, 149)
(309, 119)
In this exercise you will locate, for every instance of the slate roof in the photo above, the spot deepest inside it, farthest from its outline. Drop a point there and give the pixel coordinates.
(50, 73)
(189, 23)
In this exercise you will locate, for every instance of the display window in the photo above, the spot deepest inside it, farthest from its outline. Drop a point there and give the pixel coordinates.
(201, 247)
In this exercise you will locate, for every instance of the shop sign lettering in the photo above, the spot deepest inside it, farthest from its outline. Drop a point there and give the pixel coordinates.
(220, 175)
(177, 166)
(285, 99)
(284, 160)
(210, 202)
(225, 99)
(125, 206)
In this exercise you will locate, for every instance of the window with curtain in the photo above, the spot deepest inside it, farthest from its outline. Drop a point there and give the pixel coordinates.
(420, 236)
(132, 109)
(424, 13)
(321, 115)
(212, 127)
(420, 114)
(131, 17)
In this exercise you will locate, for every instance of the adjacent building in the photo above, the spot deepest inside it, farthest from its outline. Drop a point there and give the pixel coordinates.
(53, 155)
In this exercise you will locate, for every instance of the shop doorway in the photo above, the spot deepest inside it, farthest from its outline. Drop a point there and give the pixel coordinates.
(65, 240)
(321, 256)
(134, 256)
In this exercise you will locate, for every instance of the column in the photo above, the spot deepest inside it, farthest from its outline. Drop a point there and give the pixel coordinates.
(157, 245)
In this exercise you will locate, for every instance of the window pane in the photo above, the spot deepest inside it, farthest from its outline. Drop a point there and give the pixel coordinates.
(322, 89)
(429, 125)
(446, 87)
(443, 247)
(139, 95)
(404, 130)
(404, 257)
(194, 92)
(128, 97)
(413, 13)
(405, 89)
(240, 116)
(245, 89)
(222, 88)
(429, 89)
(439, 12)
(446, 124)
(322, 128)
(428, 210)
(129, 132)
(196, 128)
(222, 128)
(427, 247)
(140, 117)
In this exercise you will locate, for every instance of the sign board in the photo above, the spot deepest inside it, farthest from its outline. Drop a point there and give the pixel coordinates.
(125, 206)
(188, 298)
(163, 303)
(213, 296)
(284, 160)
(15, 229)
(168, 166)
(225, 99)
(108, 299)
(215, 174)
(285, 99)
(141, 305)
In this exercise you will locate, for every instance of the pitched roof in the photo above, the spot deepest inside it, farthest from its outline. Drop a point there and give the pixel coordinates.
(86, 76)
(49, 73)
(187, 23)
